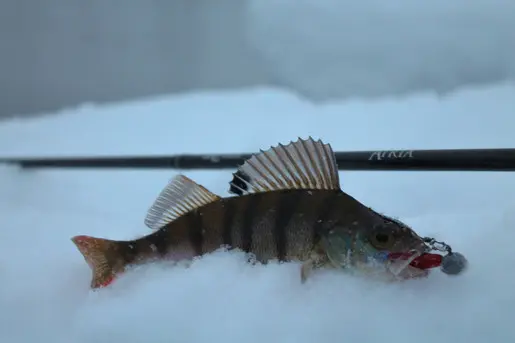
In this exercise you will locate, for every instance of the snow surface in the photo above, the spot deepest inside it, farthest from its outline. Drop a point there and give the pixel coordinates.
(327, 49)
(45, 296)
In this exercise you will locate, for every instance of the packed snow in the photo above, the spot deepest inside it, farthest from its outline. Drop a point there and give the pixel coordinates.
(326, 49)
(45, 295)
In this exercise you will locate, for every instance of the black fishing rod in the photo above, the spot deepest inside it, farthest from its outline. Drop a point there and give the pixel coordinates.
(395, 160)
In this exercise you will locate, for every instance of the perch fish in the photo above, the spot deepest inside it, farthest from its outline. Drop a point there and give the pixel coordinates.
(290, 208)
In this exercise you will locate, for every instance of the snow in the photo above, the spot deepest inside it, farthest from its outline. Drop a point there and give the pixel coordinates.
(327, 49)
(45, 295)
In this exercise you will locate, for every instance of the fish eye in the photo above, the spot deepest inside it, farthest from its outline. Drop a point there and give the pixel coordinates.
(382, 237)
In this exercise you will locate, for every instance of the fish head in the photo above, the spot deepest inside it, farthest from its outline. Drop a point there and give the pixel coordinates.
(386, 248)
(395, 247)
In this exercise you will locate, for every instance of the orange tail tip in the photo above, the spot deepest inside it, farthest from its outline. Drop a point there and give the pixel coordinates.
(98, 253)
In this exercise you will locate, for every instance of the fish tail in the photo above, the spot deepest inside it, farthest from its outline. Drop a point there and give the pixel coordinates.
(102, 255)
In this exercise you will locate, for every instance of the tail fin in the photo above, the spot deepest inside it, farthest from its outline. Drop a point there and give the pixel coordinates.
(102, 257)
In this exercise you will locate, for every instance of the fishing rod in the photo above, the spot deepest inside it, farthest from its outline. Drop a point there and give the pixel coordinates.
(394, 160)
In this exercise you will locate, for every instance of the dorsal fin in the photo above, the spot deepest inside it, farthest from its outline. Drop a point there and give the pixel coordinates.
(304, 164)
(179, 197)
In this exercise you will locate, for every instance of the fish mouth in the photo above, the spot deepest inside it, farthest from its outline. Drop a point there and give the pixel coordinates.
(413, 263)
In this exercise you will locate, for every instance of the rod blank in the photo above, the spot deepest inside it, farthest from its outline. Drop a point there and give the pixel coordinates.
(395, 160)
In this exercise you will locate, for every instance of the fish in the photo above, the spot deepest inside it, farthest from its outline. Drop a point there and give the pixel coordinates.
(286, 205)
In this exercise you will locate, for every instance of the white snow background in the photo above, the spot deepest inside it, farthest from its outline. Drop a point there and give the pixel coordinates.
(327, 49)
(45, 295)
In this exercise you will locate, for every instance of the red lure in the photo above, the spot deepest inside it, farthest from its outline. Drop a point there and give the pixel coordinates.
(424, 261)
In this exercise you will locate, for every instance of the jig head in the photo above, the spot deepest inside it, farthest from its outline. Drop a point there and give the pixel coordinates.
(453, 263)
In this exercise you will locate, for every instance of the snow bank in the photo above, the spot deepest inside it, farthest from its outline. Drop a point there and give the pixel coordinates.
(326, 49)
(44, 295)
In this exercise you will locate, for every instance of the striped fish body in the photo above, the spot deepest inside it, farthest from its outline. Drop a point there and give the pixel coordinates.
(282, 225)
(289, 207)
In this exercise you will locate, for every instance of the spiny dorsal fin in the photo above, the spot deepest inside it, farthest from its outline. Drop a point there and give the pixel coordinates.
(304, 164)
(179, 197)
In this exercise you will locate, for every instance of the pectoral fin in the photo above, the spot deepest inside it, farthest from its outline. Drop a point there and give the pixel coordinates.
(317, 260)
(306, 270)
